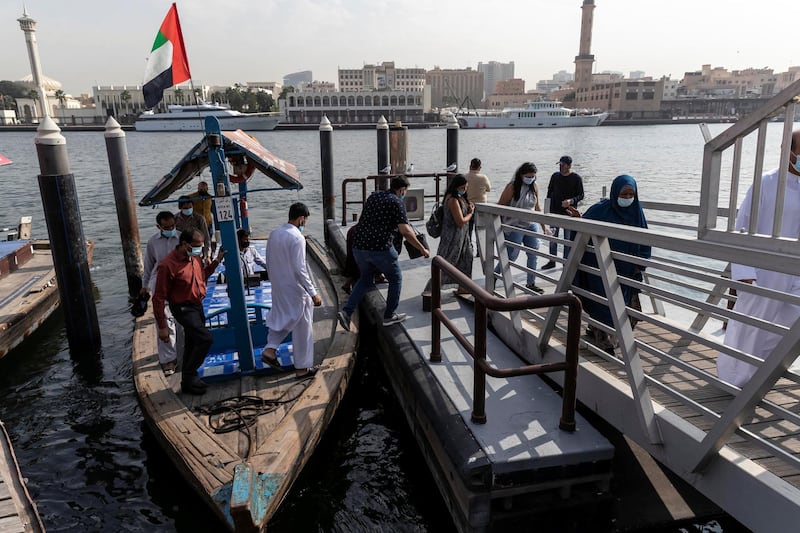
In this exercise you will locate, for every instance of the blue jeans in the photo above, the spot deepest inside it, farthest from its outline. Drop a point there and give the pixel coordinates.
(369, 262)
(529, 241)
(554, 245)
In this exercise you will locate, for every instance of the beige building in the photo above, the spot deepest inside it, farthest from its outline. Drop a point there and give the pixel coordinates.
(640, 98)
(455, 87)
(383, 77)
(508, 93)
(349, 107)
(719, 81)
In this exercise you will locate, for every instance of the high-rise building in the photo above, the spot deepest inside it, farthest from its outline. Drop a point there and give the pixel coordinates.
(455, 87)
(494, 71)
(296, 78)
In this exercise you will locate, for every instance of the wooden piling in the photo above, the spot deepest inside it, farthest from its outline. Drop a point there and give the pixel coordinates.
(117, 151)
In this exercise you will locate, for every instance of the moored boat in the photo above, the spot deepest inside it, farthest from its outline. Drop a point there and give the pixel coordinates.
(190, 118)
(542, 114)
(19, 511)
(28, 288)
(243, 471)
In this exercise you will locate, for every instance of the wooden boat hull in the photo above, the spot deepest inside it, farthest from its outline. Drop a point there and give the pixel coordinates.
(244, 475)
(29, 296)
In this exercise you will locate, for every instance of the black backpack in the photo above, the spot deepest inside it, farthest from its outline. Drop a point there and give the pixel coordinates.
(434, 223)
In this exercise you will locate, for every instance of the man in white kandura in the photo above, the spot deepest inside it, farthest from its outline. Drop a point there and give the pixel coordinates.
(293, 294)
(746, 338)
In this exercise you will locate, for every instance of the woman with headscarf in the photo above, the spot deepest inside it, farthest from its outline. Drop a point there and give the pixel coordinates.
(454, 242)
(622, 207)
(522, 192)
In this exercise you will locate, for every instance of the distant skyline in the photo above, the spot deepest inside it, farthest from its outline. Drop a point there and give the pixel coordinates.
(88, 42)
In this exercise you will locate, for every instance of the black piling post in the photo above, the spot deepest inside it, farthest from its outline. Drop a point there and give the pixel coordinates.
(383, 153)
(117, 150)
(67, 243)
(452, 145)
(326, 166)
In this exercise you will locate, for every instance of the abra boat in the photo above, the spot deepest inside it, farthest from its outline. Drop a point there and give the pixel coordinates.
(28, 288)
(243, 472)
(543, 114)
(19, 511)
(190, 118)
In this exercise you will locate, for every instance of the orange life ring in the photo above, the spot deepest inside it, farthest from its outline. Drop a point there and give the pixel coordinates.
(242, 171)
(243, 207)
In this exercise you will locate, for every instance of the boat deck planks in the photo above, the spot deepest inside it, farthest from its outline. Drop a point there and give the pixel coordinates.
(18, 513)
(281, 441)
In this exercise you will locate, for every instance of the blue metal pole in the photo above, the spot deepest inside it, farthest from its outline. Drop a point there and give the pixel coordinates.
(226, 224)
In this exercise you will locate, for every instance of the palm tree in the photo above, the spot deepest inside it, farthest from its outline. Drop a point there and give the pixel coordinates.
(61, 96)
(33, 94)
(179, 95)
(125, 96)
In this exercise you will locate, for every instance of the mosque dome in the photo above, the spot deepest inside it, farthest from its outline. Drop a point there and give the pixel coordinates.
(49, 84)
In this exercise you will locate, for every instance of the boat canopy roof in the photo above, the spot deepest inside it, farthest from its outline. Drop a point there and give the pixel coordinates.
(233, 142)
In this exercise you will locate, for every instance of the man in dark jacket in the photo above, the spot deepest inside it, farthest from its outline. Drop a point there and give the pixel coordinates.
(564, 190)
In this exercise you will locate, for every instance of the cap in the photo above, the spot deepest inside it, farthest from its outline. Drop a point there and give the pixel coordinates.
(565, 159)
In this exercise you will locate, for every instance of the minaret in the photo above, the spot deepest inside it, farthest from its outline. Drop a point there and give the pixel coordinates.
(28, 25)
(585, 60)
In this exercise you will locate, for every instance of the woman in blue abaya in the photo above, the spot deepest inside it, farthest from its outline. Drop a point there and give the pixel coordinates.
(622, 207)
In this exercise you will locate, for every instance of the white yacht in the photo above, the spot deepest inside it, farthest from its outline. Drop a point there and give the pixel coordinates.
(191, 118)
(543, 114)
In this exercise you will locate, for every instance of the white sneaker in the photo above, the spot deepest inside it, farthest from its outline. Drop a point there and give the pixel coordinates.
(395, 319)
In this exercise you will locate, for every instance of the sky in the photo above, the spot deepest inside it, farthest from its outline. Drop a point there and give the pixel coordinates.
(88, 42)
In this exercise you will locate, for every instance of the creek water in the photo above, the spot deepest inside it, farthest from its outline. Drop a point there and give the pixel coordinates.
(91, 463)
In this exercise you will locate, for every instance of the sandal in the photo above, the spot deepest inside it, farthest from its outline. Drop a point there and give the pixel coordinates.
(308, 374)
(273, 362)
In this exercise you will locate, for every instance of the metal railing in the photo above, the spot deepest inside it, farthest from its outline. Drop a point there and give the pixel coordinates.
(376, 179)
(485, 301)
(689, 277)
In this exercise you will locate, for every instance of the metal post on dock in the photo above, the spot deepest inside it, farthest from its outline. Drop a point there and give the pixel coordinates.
(452, 145)
(326, 168)
(117, 150)
(67, 243)
(383, 152)
(398, 147)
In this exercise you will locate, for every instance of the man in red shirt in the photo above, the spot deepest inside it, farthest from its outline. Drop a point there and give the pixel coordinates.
(181, 281)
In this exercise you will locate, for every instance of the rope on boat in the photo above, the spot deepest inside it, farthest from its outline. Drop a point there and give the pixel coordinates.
(238, 413)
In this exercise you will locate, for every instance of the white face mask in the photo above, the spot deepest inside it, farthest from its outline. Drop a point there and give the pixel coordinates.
(528, 181)
(188, 212)
(625, 202)
(796, 164)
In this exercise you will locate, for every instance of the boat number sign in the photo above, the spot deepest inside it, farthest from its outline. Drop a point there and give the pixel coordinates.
(224, 208)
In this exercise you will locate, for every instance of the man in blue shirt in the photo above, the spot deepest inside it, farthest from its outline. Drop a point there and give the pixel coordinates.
(383, 216)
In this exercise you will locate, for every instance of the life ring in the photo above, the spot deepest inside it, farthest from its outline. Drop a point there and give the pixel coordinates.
(243, 207)
(242, 170)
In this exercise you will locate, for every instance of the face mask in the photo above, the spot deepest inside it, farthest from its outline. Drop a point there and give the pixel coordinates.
(528, 181)
(401, 196)
(461, 193)
(796, 164)
(188, 212)
(301, 228)
(169, 232)
(197, 250)
(625, 202)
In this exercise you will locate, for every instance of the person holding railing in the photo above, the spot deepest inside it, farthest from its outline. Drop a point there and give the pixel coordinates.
(523, 192)
(622, 207)
(748, 338)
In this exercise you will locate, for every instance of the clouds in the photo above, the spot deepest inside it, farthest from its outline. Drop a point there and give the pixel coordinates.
(88, 41)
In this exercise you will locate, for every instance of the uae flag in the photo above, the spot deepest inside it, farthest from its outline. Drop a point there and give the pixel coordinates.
(167, 65)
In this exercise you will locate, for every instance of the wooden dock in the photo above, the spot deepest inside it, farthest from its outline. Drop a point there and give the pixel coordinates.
(18, 513)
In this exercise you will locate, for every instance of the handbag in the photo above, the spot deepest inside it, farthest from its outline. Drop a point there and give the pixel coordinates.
(413, 253)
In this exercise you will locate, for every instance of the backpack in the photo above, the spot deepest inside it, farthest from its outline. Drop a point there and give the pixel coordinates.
(434, 223)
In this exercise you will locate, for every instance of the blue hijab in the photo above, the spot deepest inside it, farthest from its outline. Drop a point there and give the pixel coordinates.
(608, 210)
